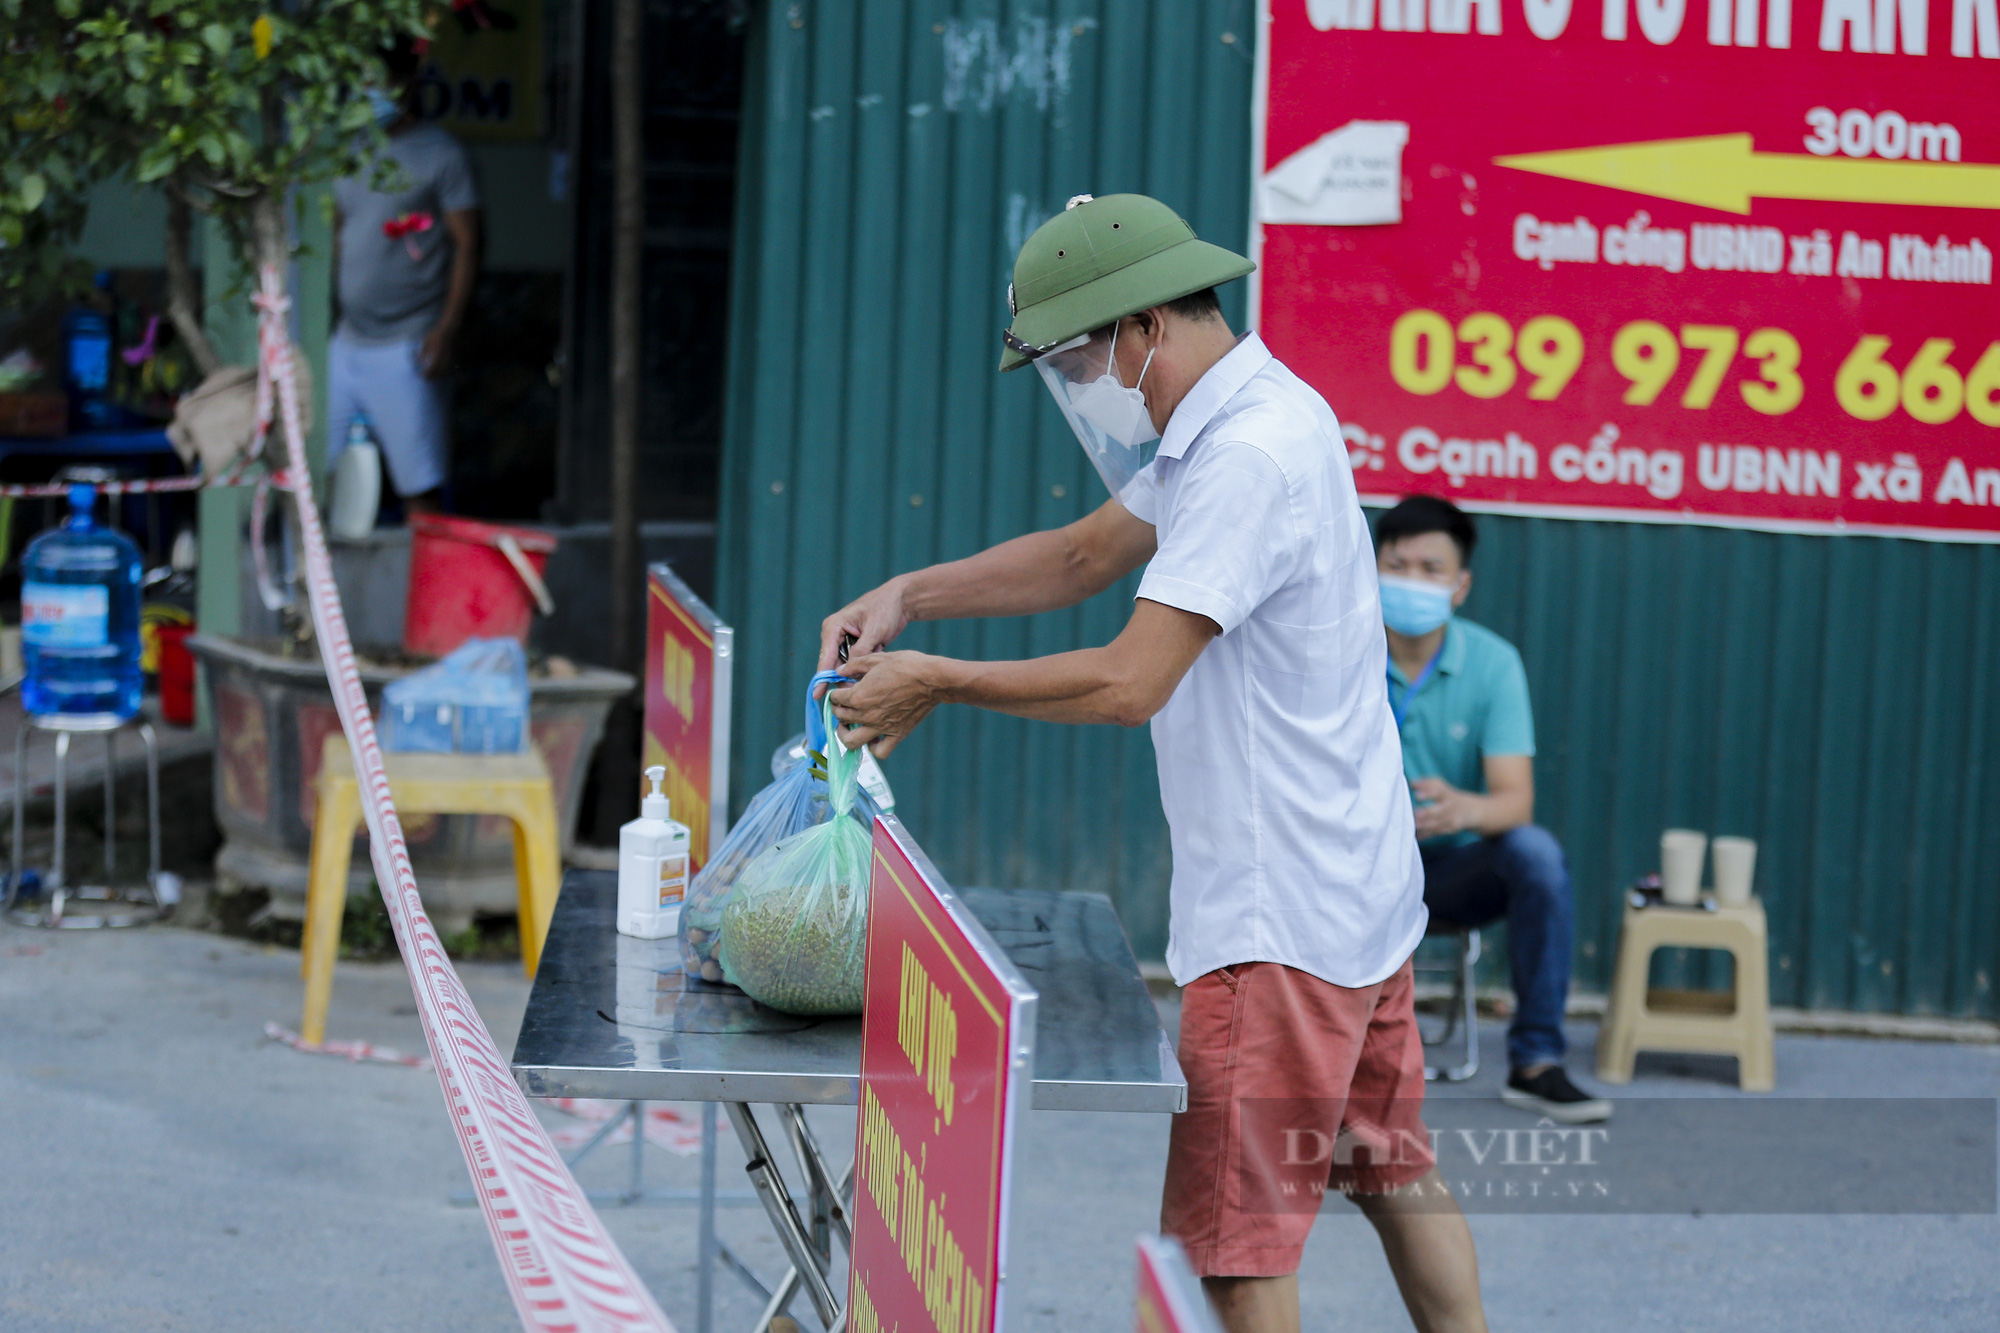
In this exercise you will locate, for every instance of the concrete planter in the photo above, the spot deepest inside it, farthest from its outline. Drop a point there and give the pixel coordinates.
(272, 714)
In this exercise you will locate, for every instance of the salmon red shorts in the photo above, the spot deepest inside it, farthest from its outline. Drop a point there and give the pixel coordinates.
(1296, 1087)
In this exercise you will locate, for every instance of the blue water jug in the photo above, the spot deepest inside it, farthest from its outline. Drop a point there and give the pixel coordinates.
(80, 619)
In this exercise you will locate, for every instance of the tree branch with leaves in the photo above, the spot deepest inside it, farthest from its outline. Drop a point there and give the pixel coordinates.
(227, 106)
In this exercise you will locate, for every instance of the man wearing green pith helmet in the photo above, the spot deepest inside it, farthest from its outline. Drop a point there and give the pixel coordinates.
(1255, 650)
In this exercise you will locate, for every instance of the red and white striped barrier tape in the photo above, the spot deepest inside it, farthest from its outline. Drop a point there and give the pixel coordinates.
(238, 475)
(562, 1268)
(138, 486)
(354, 1052)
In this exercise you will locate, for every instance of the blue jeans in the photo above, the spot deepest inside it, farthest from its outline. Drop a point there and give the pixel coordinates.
(1519, 876)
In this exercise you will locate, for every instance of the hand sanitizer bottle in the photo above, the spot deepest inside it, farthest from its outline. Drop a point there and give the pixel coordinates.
(652, 867)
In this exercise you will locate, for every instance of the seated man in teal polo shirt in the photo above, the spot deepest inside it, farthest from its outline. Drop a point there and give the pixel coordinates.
(1460, 698)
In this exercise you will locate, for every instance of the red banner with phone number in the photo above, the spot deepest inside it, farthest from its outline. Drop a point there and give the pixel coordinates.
(1711, 261)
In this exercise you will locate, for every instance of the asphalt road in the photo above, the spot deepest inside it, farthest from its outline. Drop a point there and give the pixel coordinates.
(169, 1168)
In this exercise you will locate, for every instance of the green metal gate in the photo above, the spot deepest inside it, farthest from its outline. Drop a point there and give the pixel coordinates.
(1828, 696)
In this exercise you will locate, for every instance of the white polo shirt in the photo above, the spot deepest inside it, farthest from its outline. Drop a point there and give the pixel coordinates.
(1280, 767)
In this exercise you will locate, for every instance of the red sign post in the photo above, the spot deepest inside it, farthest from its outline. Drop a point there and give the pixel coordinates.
(1713, 261)
(688, 677)
(947, 1055)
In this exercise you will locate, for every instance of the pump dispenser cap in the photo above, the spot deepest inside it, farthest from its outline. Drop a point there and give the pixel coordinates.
(655, 806)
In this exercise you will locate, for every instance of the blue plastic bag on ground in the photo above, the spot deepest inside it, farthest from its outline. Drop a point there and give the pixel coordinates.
(795, 801)
(474, 700)
(795, 924)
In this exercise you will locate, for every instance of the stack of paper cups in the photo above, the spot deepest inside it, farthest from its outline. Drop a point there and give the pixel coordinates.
(1681, 854)
(1735, 870)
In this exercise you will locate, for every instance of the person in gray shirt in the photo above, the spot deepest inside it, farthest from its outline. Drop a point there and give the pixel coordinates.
(406, 258)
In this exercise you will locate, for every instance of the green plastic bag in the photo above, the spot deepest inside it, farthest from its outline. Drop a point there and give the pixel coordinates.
(796, 924)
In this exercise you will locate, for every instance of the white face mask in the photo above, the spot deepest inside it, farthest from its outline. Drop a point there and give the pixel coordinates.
(1111, 421)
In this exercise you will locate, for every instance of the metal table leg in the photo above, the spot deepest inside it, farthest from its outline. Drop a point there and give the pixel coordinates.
(635, 1194)
(17, 856)
(809, 1249)
(110, 809)
(152, 744)
(57, 887)
(704, 1319)
(781, 1301)
(122, 905)
(829, 1208)
(637, 1189)
(784, 1214)
(843, 1190)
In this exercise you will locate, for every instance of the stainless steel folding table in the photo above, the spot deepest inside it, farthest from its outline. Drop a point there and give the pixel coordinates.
(614, 1017)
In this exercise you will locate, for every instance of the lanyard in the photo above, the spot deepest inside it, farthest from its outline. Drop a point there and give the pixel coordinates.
(1411, 693)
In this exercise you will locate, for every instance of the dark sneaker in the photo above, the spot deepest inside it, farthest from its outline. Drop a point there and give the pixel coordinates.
(1550, 1093)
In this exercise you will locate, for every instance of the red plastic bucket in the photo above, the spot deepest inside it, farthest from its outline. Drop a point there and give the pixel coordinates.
(176, 674)
(468, 579)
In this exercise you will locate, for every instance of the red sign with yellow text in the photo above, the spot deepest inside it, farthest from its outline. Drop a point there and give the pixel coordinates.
(1716, 261)
(688, 685)
(939, 1094)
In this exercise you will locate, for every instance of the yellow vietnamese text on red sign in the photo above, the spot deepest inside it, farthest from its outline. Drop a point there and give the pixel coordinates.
(861, 1316)
(685, 797)
(936, 1263)
(927, 1030)
(677, 675)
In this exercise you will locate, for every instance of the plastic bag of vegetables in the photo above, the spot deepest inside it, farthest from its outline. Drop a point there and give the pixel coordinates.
(795, 801)
(795, 924)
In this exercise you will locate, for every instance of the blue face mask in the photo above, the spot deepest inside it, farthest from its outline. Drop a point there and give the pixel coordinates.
(386, 108)
(1414, 606)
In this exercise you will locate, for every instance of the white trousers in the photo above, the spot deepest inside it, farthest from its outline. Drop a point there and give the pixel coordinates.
(405, 412)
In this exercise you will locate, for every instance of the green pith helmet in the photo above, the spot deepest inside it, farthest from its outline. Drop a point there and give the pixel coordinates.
(1100, 260)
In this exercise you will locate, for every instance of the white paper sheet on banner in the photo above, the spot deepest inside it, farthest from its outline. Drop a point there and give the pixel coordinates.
(1350, 177)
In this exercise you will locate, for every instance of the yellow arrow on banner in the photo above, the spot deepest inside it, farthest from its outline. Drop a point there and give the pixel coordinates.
(1722, 171)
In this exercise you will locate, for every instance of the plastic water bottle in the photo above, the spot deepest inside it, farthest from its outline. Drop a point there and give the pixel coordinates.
(80, 619)
(87, 335)
(356, 484)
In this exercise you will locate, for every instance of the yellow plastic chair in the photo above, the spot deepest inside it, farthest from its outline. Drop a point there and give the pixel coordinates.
(514, 785)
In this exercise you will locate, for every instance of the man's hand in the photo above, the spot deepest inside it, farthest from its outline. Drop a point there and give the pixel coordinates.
(893, 692)
(1448, 810)
(1039, 572)
(1123, 683)
(872, 621)
(434, 355)
(1509, 801)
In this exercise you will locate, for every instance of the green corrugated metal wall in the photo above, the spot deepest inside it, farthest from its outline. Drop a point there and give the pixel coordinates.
(1828, 696)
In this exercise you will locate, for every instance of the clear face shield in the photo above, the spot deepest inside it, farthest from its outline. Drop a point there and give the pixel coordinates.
(1110, 420)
